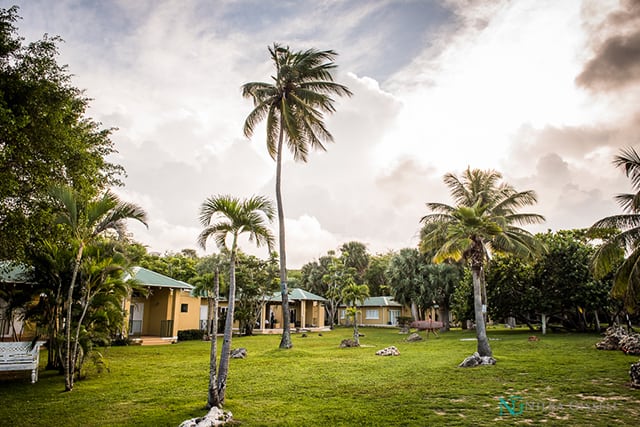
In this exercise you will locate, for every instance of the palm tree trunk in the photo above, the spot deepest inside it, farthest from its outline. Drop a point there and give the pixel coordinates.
(356, 334)
(444, 310)
(213, 397)
(53, 355)
(483, 342)
(414, 311)
(285, 342)
(228, 327)
(68, 368)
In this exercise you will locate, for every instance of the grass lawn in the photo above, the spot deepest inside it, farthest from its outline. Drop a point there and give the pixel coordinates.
(560, 380)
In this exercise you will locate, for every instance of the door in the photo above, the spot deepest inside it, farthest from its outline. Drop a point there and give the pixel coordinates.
(137, 314)
(393, 316)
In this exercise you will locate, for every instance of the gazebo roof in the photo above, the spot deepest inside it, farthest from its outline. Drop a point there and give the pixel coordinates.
(384, 301)
(296, 294)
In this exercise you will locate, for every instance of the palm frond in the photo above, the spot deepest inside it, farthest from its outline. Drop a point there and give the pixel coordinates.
(629, 160)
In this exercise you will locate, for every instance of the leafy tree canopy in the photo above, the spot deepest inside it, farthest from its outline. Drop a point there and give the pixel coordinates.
(45, 137)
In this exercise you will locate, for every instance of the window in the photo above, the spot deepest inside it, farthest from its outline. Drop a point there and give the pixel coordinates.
(342, 313)
(372, 314)
(184, 308)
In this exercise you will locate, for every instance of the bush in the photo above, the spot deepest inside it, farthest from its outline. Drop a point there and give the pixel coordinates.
(190, 334)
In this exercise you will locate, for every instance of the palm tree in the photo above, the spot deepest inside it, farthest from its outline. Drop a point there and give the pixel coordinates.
(352, 294)
(483, 220)
(293, 105)
(625, 240)
(221, 217)
(86, 220)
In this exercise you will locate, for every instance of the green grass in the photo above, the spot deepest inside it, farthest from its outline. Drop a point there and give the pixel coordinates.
(317, 383)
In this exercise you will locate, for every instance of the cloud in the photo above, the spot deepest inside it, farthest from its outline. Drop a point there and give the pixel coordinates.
(437, 87)
(616, 46)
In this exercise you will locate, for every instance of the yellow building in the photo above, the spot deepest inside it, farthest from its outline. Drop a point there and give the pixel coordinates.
(376, 311)
(165, 307)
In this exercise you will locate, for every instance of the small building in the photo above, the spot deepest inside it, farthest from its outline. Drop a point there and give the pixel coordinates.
(160, 306)
(306, 311)
(16, 284)
(376, 311)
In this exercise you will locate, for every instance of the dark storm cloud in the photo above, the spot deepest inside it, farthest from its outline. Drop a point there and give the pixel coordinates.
(616, 44)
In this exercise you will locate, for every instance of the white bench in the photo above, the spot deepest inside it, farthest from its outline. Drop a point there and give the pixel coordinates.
(20, 356)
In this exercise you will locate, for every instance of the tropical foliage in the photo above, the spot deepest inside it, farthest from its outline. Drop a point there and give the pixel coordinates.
(226, 217)
(84, 221)
(484, 219)
(625, 242)
(293, 105)
(354, 294)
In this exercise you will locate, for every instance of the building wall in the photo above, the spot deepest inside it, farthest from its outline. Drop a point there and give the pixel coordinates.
(191, 318)
(367, 315)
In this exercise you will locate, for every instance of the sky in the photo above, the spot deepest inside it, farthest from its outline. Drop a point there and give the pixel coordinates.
(543, 91)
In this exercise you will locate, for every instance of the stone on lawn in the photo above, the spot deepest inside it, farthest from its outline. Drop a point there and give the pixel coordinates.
(349, 343)
(477, 360)
(631, 344)
(215, 417)
(612, 337)
(239, 353)
(389, 351)
(414, 337)
(635, 374)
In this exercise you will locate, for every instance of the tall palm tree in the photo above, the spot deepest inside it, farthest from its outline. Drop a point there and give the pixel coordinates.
(85, 221)
(293, 104)
(626, 240)
(484, 219)
(222, 217)
(353, 294)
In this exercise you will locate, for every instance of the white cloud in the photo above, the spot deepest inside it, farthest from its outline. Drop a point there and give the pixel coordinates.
(490, 84)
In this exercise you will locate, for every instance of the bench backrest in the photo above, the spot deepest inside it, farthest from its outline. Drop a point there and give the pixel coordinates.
(423, 325)
(19, 347)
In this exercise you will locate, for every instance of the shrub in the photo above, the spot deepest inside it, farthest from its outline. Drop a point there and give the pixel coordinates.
(190, 334)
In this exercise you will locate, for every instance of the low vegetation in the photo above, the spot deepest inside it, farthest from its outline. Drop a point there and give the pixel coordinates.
(561, 379)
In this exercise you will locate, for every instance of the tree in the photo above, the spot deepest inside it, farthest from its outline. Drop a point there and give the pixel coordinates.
(625, 242)
(46, 139)
(406, 275)
(374, 275)
(222, 217)
(337, 277)
(569, 293)
(293, 105)
(514, 290)
(352, 294)
(85, 221)
(256, 280)
(311, 274)
(355, 255)
(441, 281)
(483, 220)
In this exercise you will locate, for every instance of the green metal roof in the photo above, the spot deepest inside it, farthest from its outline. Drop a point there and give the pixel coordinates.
(385, 301)
(151, 278)
(296, 294)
